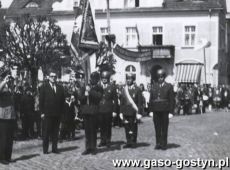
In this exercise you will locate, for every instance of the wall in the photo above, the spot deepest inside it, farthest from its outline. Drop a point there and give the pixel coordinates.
(173, 25)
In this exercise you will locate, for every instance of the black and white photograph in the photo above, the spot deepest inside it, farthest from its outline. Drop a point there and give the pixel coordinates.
(114, 84)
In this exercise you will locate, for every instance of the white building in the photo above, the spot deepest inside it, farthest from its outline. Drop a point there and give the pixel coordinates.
(164, 32)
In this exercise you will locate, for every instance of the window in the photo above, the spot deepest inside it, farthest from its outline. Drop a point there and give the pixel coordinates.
(32, 5)
(76, 3)
(131, 3)
(189, 35)
(157, 35)
(130, 69)
(104, 32)
(131, 37)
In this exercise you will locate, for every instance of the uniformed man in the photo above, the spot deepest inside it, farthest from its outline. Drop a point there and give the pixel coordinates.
(130, 110)
(89, 108)
(161, 104)
(107, 109)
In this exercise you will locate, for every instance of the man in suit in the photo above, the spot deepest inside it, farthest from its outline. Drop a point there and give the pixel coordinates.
(131, 100)
(107, 109)
(161, 104)
(51, 102)
(89, 107)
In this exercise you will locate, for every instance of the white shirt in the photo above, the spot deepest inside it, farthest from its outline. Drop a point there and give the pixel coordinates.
(53, 87)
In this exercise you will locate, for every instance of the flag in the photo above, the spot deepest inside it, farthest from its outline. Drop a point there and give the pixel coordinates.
(88, 37)
(82, 43)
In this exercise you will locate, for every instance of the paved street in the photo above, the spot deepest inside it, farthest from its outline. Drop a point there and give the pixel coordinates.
(196, 136)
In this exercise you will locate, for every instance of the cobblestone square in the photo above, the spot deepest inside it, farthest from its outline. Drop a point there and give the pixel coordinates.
(203, 136)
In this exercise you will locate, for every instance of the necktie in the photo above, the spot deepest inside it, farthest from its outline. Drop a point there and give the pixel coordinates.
(53, 88)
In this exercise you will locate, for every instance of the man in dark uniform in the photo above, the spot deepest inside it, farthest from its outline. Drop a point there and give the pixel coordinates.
(51, 103)
(107, 109)
(89, 108)
(161, 104)
(130, 110)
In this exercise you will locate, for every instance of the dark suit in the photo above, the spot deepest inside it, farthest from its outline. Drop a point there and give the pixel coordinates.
(27, 115)
(67, 121)
(89, 109)
(107, 105)
(161, 104)
(129, 113)
(51, 105)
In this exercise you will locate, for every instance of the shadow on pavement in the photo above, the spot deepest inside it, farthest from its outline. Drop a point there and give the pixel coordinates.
(68, 149)
(25, 157)
(142, 144)
(172, 145)
(115, 145)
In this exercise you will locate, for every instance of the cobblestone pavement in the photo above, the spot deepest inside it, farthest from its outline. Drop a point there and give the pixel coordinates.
(204, 136)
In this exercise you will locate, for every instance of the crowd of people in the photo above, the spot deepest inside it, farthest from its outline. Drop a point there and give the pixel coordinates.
(198, 99)
(55, 110)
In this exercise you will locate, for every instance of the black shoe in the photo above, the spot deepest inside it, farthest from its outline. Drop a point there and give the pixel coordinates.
(157, 147)
(127, 146)
(11, 161)
(4, 162)
(134, 145)
(86, 152)
(55, 152)
(45, 152)
(164, 148)
(94, 152)
(101, 144)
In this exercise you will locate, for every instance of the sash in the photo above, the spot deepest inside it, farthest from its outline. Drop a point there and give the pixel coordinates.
(130, 100)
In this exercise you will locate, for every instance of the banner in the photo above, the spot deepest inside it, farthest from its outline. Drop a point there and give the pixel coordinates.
(132, 55)
(84, 40)
(88, 37)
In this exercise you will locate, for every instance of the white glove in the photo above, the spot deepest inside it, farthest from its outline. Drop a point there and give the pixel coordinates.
(170, 115)
(114, 114)
(138, 116)
(121, 116)
(42, 116)
(151, 114)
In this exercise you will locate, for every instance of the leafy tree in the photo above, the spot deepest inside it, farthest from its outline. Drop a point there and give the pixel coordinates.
(34, 42)
(105, 59)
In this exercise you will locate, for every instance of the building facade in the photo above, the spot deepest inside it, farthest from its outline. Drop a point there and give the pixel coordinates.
(171, 30)
(168, 34)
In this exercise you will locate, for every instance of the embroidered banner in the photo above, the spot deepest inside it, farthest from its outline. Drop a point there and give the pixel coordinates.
(88, 37)
(84, 40)
(132, 55)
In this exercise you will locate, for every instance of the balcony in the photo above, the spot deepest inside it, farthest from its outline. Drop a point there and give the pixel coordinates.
(159, 51)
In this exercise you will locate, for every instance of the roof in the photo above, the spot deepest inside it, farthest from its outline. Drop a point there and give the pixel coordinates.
(19, 7)
(194, 4)
(172, 6)
(45, 7)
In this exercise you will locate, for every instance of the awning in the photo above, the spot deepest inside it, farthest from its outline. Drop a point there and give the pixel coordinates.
(188, 72)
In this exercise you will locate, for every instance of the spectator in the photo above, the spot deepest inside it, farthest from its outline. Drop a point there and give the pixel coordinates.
(7, 118)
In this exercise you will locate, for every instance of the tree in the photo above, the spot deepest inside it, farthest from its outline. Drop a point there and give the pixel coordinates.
(33, 42)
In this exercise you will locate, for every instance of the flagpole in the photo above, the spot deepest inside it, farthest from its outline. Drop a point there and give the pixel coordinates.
(205, 72)
(108, 17)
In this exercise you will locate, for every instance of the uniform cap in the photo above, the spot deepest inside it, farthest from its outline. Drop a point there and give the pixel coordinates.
(105, 74)
(95, 76)
(161, 72)
(130, 75)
